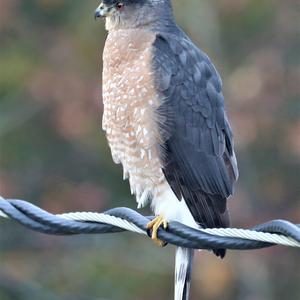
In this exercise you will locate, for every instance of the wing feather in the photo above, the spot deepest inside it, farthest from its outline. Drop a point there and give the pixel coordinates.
(197, 143)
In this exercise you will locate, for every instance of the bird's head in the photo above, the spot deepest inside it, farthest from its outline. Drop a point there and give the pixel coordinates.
(133, 13)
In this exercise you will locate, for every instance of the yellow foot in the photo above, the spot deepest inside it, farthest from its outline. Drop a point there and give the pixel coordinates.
(154, 225)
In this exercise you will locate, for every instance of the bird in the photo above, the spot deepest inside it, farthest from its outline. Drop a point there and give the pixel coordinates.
(165, 122)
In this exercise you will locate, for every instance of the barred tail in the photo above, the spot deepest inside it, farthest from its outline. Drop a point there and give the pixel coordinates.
(183, 272)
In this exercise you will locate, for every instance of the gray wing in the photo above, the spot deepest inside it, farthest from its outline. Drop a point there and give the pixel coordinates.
(197, 149)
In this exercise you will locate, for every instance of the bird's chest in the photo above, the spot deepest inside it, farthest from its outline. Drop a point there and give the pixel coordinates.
(130, 100)
(128, 91)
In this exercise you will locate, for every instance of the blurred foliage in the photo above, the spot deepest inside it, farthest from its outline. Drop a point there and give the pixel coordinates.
(53, 153)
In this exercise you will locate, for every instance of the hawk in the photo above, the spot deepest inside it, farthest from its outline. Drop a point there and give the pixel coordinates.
(165, 121)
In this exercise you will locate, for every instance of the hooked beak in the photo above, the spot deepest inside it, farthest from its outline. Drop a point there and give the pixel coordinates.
(103, 11)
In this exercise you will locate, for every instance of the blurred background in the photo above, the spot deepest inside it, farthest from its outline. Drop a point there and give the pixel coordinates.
(54, 153)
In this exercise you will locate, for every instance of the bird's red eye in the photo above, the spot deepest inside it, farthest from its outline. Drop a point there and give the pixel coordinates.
(120, 5)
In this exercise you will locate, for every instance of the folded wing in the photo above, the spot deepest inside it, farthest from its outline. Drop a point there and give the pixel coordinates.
(196, 146)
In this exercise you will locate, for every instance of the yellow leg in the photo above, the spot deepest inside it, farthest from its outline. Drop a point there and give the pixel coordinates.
(154, 225)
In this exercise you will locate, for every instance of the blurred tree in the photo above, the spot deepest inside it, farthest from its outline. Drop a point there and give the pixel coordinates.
(53, 153)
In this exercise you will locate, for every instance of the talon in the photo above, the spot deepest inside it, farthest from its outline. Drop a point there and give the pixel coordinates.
(154, 225)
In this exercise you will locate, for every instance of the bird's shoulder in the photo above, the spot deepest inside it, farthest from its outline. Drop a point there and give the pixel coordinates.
(175, 54)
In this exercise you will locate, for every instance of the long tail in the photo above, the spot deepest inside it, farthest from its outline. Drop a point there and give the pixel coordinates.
(183, 273)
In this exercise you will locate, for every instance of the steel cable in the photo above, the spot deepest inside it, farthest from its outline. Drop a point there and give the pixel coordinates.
(276, 232)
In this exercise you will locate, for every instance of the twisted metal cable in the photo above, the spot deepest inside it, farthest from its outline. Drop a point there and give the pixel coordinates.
(277, 232)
